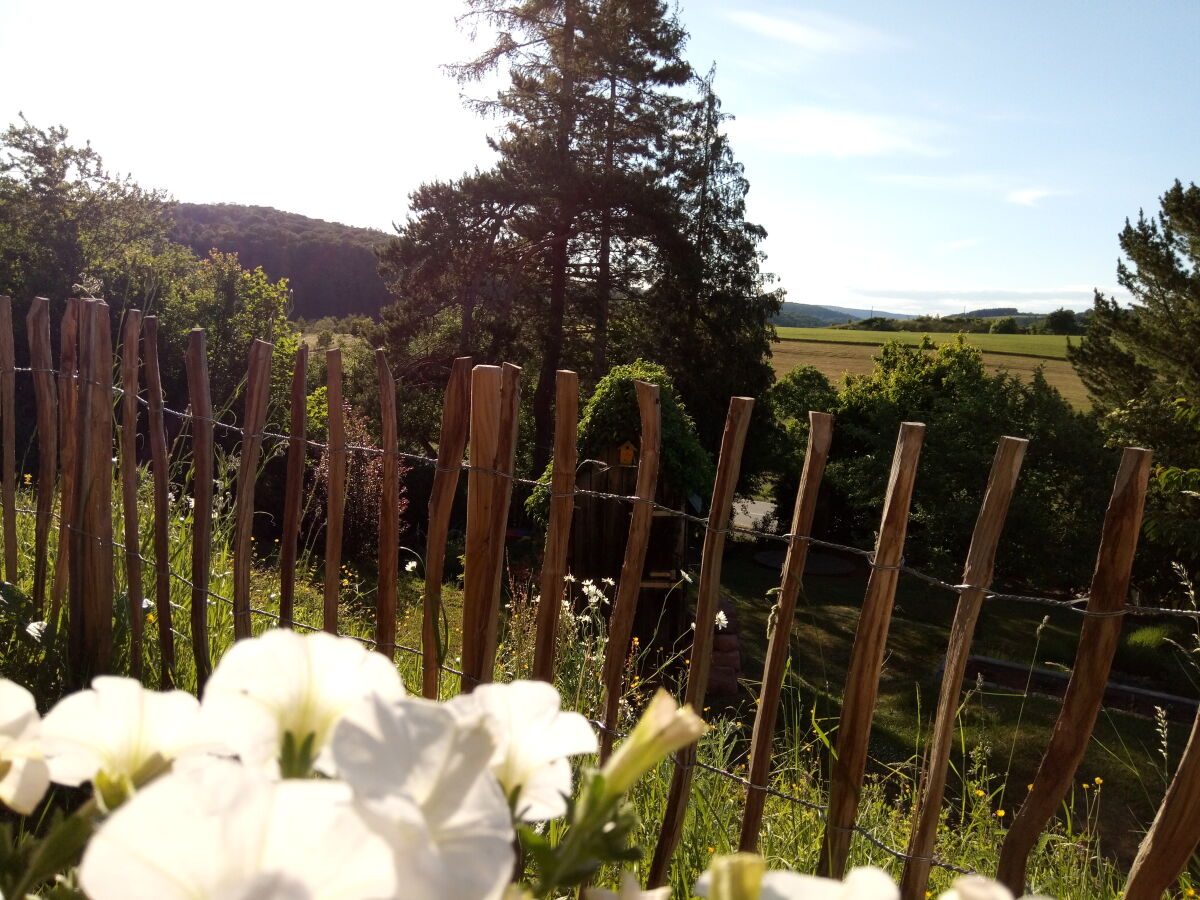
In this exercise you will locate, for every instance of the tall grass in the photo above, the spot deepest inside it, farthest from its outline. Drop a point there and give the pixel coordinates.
(1068, 861)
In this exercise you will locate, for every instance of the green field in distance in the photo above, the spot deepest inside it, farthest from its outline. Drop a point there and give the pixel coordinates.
(1046, 346)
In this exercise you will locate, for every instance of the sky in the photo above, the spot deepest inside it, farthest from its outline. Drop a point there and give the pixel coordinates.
(910, 157)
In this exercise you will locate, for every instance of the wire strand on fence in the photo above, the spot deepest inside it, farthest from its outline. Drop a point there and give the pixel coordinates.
(716, 770)
(1076, 605)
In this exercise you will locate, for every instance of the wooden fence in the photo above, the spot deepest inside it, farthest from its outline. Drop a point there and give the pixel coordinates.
(75, 428)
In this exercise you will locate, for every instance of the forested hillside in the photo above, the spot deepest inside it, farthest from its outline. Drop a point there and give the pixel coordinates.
(331, 268)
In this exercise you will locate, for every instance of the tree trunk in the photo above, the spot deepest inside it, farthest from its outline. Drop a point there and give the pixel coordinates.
(543, 395)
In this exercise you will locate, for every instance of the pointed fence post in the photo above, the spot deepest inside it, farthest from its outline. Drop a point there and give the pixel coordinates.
(202, 494)
(41, 360)
(293, 496)
(258, 391)
(160, 467)
(130, 332)
(1172, 838)
(1097, 643)
(336, 509)
(977, 576)
(389, 512)
(820, 434)
(728, 467)
(558, 532)
(8, 428)
(620, 625)
(866, 657)
(68, 398)
(456, 412)
(91, 587)
(494, 397)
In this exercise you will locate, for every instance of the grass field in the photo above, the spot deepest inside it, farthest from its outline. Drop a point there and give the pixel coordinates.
(1046, 346)
(835, 360)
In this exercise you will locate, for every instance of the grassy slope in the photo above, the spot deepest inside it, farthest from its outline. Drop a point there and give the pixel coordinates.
(836, 359)
(1048, 346)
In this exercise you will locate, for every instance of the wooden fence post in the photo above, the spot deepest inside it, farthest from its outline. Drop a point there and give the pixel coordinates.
(68, 395)
(620, 624)
(8, 428)
(494, 399)
(91, 580)
(389, 513)
(866, 657)
(258, 392)
(41, 360)
(202, 495)
(477, 581)
(729, 465)
(293, 496)
(1097, 643)
(336, 510)
(162, 509)
(977, 574)
(502, 485)
(1172, 838)
(456, 410)
(130, 332)
(558, 532)
(820, 434)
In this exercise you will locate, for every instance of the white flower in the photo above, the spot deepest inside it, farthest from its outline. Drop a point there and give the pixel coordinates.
(533, 739)
(191, 502)
(685, 576)
(569, 578)
(609, 582)
(37, 630)
(24, 776)
(721, 621)
(976, 887)
(410, 566)
(119, 736)
(422, 774)
(631, 889)
(741, 876)
(663, 728)
(228, 832)
(283, 693)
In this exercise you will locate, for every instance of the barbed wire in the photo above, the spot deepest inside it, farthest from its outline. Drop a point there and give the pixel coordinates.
(1076, 605)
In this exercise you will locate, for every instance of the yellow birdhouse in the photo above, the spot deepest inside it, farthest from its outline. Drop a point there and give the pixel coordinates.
(626, 454)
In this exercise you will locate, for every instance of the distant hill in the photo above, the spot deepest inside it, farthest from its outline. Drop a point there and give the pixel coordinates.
(331, 268)
(808, 315)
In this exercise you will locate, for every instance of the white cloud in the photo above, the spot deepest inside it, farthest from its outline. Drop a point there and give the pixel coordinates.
(816, 131)
(813, 32)
(1030, 196)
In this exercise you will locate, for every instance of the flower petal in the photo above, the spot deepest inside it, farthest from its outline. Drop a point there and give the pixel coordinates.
(286, 682)
(119, 728)
(229, 832)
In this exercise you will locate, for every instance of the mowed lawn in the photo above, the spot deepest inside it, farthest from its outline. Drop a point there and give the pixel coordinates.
(836, 360)
(1048, 346)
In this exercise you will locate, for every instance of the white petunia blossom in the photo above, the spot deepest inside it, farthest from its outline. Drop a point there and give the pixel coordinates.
(533, 738)
(631, 889)
(976, 887)
(24, 776)
(410, 566)
(742, 876)
(422, 773)
(721, 620)
(228, 832)
(280, 695)
(119, 736)
(663, 728)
